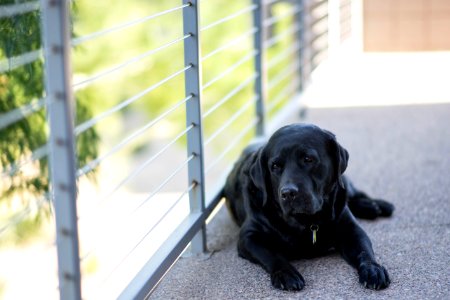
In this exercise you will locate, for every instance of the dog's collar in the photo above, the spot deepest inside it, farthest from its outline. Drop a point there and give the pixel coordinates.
(314, 228)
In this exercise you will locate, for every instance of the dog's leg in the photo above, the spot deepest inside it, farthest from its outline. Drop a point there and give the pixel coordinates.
(365, 207)
(356, 248)
(258, 249)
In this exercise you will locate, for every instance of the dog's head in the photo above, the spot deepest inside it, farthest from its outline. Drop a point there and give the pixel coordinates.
(298, 168)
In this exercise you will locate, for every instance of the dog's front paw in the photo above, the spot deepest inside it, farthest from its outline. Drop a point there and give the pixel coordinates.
(287, 278)
(386, 209)
(373, 276)
(367, 208)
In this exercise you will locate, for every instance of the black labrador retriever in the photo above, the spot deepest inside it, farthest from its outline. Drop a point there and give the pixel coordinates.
(291, 200)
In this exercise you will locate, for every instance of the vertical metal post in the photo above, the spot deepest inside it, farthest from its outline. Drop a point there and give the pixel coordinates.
(306, 42)
(193, 81)
(334, 26)
(301, 39)
(260, 69)
(357, 24)
(55, 38)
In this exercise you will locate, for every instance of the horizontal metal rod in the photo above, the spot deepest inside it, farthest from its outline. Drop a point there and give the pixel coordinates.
(82, 39)
(15, 220)
(318, 36)
(233, 143)
(86, 82)
(230, 69)
(275, 19)
(19, 217)
(285, 92)
(231, 43)
(142, 166)
(157, 190)
(283, 55)
(149, 231)
(231, 120)
(150, 274)
(291, 30)
(22, 112)
(11, 63)
(164, 183)
(269, 2)
(10, 10)
(94, 163)
(230, 95)
(137, 171)
(283, 74)
(90, 123)
(317, 52)
(318, 20)
(318, 4)
(230, 17)
(37, 154)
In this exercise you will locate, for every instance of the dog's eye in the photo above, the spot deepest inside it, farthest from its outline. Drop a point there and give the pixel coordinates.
(308, 159)
(276, 166)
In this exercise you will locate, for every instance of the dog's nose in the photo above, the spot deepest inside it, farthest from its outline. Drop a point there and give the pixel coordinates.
(289, 192)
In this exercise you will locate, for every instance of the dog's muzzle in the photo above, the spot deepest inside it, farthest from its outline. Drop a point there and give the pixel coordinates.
(294, 202)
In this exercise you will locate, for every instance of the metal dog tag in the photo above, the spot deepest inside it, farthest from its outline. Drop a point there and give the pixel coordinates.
(314, 229)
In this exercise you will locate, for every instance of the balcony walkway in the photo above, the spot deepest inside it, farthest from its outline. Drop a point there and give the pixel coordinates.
(400, 153)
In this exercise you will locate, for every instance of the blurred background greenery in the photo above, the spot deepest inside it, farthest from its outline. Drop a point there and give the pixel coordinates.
(104, 53)
(20, 188)
(25, 185)
(114, 68)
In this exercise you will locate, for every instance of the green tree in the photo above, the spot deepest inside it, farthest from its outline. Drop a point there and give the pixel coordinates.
(23, 179)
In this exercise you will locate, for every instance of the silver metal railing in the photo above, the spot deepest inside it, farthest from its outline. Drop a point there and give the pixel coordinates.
(279, 47)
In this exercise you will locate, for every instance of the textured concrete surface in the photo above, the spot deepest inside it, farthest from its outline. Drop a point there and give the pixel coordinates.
(399, 153)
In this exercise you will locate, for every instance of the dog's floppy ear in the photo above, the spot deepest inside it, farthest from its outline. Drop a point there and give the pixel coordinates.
(341, 162)
(258, 174)
(340, 156)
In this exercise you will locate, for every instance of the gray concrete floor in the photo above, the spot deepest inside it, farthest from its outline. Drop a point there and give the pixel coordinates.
(399, 153)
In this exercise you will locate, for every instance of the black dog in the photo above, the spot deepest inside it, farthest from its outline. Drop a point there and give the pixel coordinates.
(290, 198)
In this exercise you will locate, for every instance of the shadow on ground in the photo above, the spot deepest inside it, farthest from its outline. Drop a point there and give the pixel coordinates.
(400, 153)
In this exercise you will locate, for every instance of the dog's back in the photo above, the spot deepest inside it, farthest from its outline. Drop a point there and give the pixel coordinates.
(235, 181)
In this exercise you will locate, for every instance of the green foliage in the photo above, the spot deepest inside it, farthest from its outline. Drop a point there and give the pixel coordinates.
(105, 52)
(23, 178)
(27, 229)
(113, 49)
(20, 34)
(20, 86)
